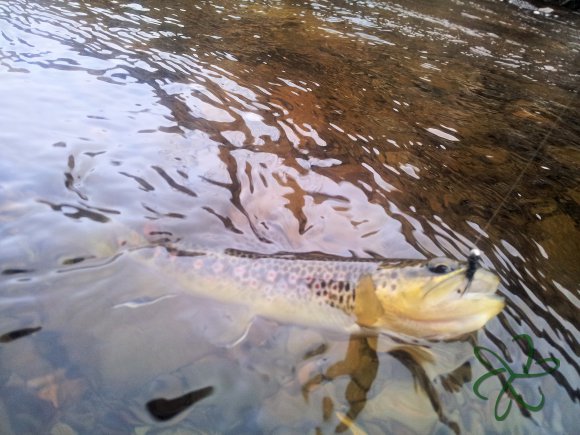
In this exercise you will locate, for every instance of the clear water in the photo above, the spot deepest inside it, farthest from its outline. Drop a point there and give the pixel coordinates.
(346, 127)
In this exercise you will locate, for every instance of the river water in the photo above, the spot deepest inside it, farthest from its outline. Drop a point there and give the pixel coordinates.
(404, 129)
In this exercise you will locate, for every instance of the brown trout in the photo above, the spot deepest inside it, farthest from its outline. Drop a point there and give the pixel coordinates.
(435, 299)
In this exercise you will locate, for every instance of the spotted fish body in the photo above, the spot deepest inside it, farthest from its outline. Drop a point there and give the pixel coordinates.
(309, 292)
(343, 295)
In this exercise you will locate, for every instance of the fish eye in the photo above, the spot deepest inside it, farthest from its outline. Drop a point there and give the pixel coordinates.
(441, 266)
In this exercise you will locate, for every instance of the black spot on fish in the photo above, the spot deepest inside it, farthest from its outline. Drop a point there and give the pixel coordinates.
(166, 409)
(15, 335)
(394, 274)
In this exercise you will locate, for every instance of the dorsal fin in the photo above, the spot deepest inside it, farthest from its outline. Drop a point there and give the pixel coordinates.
(310, 255)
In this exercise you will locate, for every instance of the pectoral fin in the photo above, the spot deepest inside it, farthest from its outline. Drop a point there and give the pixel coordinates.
(220, 324)
(367, 309)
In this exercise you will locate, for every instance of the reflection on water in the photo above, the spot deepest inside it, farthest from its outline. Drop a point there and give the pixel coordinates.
(351, 128)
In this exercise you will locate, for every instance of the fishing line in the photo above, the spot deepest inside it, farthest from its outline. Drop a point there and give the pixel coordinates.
(474, 257)
(475, 252)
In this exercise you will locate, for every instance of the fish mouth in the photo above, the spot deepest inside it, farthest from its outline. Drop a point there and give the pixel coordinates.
(450, 307)
(482, 284)
(481, 294)
(458, 298)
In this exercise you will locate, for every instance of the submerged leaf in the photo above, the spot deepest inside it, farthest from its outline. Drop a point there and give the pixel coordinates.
(166, 409)
(19, 333)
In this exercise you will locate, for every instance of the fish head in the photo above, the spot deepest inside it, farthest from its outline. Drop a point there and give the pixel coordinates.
(436, 299)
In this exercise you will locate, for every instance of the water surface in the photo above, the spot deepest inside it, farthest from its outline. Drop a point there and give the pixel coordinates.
(351, 128)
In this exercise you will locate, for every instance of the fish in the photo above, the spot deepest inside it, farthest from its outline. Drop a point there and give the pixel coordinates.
(437, 299)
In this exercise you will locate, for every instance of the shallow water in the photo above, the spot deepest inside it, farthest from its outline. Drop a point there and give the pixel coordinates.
(358, 128)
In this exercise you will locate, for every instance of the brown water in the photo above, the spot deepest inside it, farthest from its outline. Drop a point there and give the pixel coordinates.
(346, 127)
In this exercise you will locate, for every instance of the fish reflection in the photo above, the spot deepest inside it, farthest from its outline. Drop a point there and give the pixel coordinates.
(280, 379)
(361, 366)
(409, 359)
